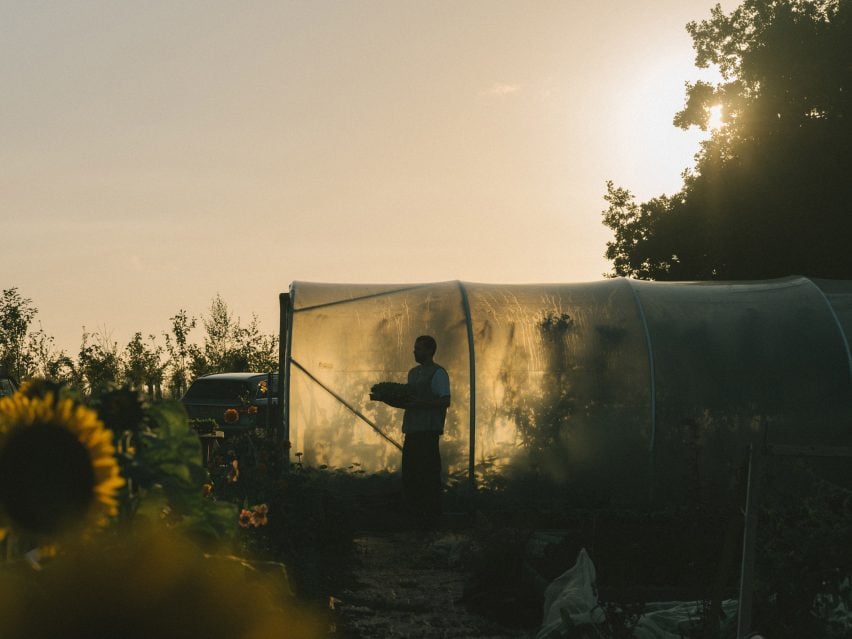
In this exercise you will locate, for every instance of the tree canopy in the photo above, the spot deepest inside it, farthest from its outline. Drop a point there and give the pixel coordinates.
(770, 194)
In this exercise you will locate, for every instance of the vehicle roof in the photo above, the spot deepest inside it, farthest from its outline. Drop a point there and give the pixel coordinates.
(237, 376)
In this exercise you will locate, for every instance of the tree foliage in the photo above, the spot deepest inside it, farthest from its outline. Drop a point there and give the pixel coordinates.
(178, 348)
(770, 194)
(98, 362)
(26, 351)
(146, 365)
(142, 364)
(16, 314)
(230, 346)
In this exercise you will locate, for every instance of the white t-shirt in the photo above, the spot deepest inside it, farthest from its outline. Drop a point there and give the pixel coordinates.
(427, 382)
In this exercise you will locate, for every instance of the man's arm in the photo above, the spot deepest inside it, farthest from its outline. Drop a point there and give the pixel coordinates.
(390, 402)
(396, 404)
(438, 402)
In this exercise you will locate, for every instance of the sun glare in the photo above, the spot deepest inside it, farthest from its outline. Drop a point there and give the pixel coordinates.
(714, 119)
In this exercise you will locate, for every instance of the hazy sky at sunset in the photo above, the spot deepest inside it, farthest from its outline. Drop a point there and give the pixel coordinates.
(155, 153)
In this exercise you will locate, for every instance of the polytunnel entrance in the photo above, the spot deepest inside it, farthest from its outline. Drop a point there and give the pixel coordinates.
(331, 418)
(606, 389)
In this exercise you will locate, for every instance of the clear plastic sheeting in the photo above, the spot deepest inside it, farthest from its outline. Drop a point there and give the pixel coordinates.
(563, 383)
(737, 362)
(573, 593)
(571, 600)
(339, 350)
(617, 389)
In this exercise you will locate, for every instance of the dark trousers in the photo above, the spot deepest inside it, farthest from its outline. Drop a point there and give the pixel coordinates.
(421, 474)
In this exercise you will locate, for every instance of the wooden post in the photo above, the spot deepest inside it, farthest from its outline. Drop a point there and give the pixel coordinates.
(755, 467)
(284, 354)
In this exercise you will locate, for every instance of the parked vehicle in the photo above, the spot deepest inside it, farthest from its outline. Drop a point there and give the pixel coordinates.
(236, 401)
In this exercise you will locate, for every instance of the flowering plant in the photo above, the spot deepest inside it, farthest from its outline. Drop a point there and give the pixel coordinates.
(69, 466)
(57, 465)
(254, 517)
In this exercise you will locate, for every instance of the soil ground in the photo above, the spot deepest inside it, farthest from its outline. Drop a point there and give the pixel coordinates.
(410, 584)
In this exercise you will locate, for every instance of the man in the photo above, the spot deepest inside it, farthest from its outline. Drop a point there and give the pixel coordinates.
(423, 424)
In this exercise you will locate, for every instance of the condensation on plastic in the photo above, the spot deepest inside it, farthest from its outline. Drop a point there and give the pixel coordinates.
(565, 382)
(562, 382)
(366, 337)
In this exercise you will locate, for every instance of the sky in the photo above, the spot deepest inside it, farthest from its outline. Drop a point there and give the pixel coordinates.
(156, 154)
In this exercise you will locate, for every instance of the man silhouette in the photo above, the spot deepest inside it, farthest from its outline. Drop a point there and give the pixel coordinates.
(422, 425)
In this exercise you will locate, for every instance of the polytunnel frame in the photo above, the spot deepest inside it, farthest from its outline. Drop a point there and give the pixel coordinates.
(287, 303)
(287, 311)
(836, 322)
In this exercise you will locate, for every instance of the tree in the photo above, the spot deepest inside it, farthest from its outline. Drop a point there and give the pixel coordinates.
(770, 193)
(98, 363)
(142, 366)
(179, 350)
(46, 361)
(230, 347)
(24, 352)
(261, 350)
(16, 314)
(227, 346)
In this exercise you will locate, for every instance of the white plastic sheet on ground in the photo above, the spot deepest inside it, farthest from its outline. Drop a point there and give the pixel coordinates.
(571, 600)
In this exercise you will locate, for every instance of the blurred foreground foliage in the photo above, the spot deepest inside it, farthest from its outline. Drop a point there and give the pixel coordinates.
(147, 583)
(172, 561)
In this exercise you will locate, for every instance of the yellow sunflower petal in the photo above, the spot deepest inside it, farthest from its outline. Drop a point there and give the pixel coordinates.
(19, 411)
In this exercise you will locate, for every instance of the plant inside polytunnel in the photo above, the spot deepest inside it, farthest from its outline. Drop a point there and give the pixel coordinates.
(538, 395)
(803, 555)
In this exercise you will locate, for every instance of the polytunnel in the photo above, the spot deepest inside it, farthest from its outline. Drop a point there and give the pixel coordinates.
(621, 387)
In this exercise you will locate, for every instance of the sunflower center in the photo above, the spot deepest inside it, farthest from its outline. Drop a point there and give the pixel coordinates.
(46, 478)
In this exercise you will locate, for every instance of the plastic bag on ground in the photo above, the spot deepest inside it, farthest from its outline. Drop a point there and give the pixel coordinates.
(571, 599)
(573, 594)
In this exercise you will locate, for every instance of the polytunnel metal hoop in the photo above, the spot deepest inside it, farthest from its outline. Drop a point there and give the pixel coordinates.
(651, 366)
(837, 323)
(471, 469)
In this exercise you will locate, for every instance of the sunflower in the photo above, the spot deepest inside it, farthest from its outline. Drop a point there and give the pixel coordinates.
(57, 464)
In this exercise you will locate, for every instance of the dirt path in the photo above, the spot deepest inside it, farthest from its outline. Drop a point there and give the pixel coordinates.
(409, 584)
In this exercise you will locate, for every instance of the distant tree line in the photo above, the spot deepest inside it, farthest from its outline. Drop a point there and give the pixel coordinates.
(770, 194)
(159, 365)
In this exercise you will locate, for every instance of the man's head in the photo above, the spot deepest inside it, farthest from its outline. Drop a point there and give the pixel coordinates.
(424, 349)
